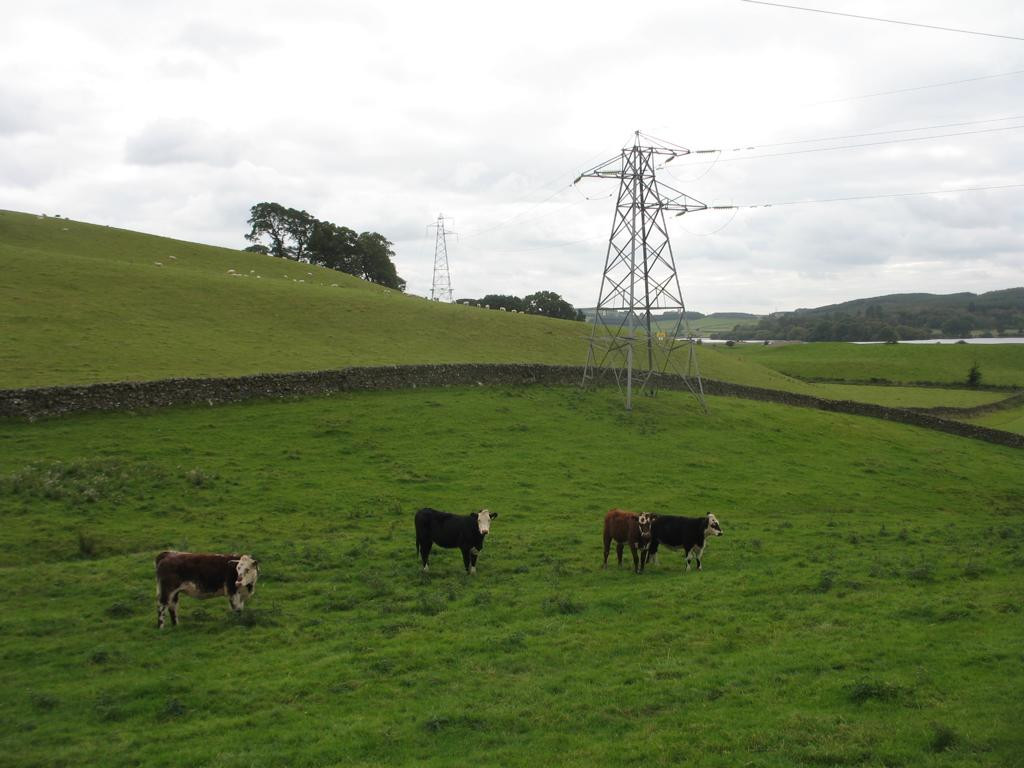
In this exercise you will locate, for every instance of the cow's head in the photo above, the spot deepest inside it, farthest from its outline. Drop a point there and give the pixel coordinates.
(248, 571)
(714, 529)
(643, 524)
(483, 520)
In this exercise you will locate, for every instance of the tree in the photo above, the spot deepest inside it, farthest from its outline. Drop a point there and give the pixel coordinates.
(299, 226)
(375, 252)
(268, 219)
(974, 376)
(258, 248)
(549, 304)
(336, 248)
(502, 301)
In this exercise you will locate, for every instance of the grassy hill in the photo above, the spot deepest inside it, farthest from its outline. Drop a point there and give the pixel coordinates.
(830, 626)
(82, 303)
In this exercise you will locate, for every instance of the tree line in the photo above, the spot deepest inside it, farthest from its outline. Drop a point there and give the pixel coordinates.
(289, 233)
(546, 303)
(878, 323)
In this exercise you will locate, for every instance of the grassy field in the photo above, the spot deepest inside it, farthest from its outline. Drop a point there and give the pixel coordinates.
(908, 397)
(82, 303)
(1000, 364)
(1010, 420)
(863, 608)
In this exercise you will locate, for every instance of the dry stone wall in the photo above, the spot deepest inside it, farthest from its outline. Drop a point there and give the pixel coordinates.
(49, 402)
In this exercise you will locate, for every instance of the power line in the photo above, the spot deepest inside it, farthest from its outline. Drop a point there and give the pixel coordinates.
(916, 88)
(882, 133)
(887, 21)
(864, 144)
(868, 197)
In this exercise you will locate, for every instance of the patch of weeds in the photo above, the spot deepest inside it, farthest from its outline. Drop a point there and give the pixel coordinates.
(1008, 607)
(173, 708)
(100, 656)
(77, 482)
(826, 582)
(785, 524)
(714, 694)
(292, 455)
(197, 478)
(341, 603)
(523, 568)
(119, 610)
(87, 545)
(43, 702)
(438, 723)
(974, 570)
(514, 640)
(874, 690)
(756, 544)
(431, 605)
(943, 738)
(561, 604)
(923, 573)
(903, 535)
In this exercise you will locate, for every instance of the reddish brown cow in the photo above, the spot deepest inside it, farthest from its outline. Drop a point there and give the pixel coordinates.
(203, 575)
(626, 528)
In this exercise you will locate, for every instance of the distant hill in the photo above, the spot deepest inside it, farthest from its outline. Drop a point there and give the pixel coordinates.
(896, 316)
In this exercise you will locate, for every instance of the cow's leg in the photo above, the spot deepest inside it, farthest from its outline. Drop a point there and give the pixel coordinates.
(473, 555)
(163, 599)
(425, 546)
(636, 559)
(173, 607)
(467, 561)
(698, 552)
(607, 548)
(618, 551)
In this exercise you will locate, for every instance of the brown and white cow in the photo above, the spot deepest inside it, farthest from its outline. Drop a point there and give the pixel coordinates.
(626, 528)
(203, 575)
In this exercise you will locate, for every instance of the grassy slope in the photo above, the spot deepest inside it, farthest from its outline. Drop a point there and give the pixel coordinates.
(1000, 364)
(833, 625)
(82, 303)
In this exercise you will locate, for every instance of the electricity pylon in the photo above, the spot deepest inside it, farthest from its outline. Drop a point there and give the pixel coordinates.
(640, 278)
(441, 288)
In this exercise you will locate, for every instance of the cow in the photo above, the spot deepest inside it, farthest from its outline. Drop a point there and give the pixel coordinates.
(202, 575)
(686, 533)
(626, 528)
(466, 532)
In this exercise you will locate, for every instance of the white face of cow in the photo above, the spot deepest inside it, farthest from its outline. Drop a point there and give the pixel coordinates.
(714, 529)
(483, 520)
(643, 522)
(248, 571)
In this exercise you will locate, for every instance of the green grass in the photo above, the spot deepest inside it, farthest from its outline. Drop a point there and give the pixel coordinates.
(908, 397)
(863, 608)
(1010, 420)
(81, 303)
(1000, 364)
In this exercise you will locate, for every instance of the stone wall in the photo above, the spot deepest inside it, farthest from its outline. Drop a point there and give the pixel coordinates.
(48, 402)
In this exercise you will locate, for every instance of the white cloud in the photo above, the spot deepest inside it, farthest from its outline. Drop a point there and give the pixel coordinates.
(178, 118)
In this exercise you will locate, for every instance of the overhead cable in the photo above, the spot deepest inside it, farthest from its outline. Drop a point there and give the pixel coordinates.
(887, 21)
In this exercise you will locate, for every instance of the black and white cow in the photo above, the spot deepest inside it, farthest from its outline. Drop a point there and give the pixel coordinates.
(465, 532)
(686, 533)
(203, 575)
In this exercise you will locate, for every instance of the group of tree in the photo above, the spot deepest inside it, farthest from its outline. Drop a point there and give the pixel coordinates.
(289, 233)
(546, 303)
(895, 318)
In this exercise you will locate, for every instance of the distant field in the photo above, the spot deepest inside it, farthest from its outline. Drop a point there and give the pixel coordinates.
(833, 624)
(908, 397)
(81, 303)
(1010, 420)
(708, 325)
(1000, 364)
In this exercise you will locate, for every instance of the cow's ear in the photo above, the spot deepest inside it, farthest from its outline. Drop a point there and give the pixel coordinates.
(494, 515)
(474, 515)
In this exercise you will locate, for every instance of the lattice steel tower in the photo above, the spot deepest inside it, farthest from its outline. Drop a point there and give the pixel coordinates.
(441, 288)
(640, 278)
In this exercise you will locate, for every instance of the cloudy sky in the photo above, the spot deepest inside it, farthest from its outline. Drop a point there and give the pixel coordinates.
(174, 118)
